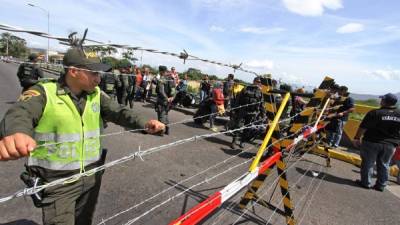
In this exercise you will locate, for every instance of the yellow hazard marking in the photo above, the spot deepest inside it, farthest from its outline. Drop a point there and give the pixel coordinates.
(287, 202)
(31, 92)
(26, 95)
(284, 184)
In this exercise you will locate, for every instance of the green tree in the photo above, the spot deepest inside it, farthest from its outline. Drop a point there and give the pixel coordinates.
(113, 62)
(153, 70)
(194, 74)
(124, 63)
(13, 46)
(101, 51)
(129, 55)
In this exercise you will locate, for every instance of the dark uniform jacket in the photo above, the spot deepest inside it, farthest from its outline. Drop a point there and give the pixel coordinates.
(29, 74)
(251, 95)
(382, 126)
(108, 83)
(165, 89)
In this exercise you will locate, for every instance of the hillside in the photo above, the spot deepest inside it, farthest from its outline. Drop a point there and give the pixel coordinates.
(366, 96)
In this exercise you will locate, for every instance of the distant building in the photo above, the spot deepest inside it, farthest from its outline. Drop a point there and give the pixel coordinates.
(54, 57)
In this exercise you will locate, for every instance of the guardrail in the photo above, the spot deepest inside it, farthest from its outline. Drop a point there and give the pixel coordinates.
(351, 126)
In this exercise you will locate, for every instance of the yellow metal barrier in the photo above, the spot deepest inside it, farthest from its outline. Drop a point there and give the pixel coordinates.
(352, 125)
(263, 146)
(348, 157)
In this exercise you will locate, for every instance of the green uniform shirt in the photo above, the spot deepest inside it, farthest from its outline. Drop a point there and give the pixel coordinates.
(165, 89)
(25, 114)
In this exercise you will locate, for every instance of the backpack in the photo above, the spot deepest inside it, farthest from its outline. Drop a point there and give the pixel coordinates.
(250, 95)
(109, 82)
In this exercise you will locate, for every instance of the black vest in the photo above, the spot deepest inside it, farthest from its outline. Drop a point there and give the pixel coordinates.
(250, 95)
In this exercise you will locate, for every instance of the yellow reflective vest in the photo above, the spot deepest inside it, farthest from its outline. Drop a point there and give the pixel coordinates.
(66, 140)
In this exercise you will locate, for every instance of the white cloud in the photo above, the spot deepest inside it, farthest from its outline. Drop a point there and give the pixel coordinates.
(291, 79)
(261, 64)
(391, 28)
(219, 4)
(262, 30)
(350, 28)
(387, 74)
(312, 7)
(217, 28)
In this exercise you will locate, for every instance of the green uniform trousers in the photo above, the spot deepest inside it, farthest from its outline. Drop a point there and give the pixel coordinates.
(162, 110)
(72, 204)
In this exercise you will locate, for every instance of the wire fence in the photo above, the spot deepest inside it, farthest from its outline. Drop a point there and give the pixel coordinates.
(184, 55)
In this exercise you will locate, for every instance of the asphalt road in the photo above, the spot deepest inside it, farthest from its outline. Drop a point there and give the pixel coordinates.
(330, 197)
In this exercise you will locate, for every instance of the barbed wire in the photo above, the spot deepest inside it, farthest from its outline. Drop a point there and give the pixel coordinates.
(207, 180)
(291, 152)
(124, 211)
(157, 206)
(171, 124)
(184, 55)
(35, 190)
(231, 206)
(138, 154)
(284, 196)
(70, 67)
(304, 196)
(275, 180)
(103, 221)
(311, 198)
(273, 143)
(145, 129)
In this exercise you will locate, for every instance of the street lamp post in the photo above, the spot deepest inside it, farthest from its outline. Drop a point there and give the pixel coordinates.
(48, 28)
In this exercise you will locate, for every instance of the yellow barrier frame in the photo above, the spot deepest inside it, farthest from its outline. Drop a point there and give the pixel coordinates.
(263, 146)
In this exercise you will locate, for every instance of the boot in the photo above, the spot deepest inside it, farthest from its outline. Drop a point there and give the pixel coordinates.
(167, 130)
(233, 143)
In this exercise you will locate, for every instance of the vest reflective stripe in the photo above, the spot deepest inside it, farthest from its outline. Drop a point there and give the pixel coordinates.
(53, 137)
(67, 140)
(65, 137)
(57, 165)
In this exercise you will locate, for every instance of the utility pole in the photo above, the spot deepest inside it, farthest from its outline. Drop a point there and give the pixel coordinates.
(7, 45)
(48, 28)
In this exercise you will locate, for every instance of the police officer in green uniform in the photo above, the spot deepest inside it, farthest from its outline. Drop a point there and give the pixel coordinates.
(244, 116)
(165, 90)
(123, 90)
(108, 84)
(70, 113)
(29, 73)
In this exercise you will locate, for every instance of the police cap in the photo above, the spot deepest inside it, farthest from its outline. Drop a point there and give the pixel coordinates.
(390, 99)
(76, 57)
(162, 68)
(32, 56)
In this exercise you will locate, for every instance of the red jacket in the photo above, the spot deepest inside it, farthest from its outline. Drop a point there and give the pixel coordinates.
(396, 155)
(139, 80)
(218, 96)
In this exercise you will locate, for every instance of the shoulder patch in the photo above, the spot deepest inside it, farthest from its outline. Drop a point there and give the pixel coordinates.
(26, 95)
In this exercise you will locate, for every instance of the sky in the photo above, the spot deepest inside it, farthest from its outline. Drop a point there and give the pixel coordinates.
(356, 42)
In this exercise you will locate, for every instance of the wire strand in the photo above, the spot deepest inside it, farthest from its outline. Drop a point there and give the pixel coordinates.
(103, 221)
(275, 180)
(137, 154)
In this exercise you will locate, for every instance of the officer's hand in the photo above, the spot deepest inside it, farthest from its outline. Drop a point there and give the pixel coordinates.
(154, 126)
(16, 146)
